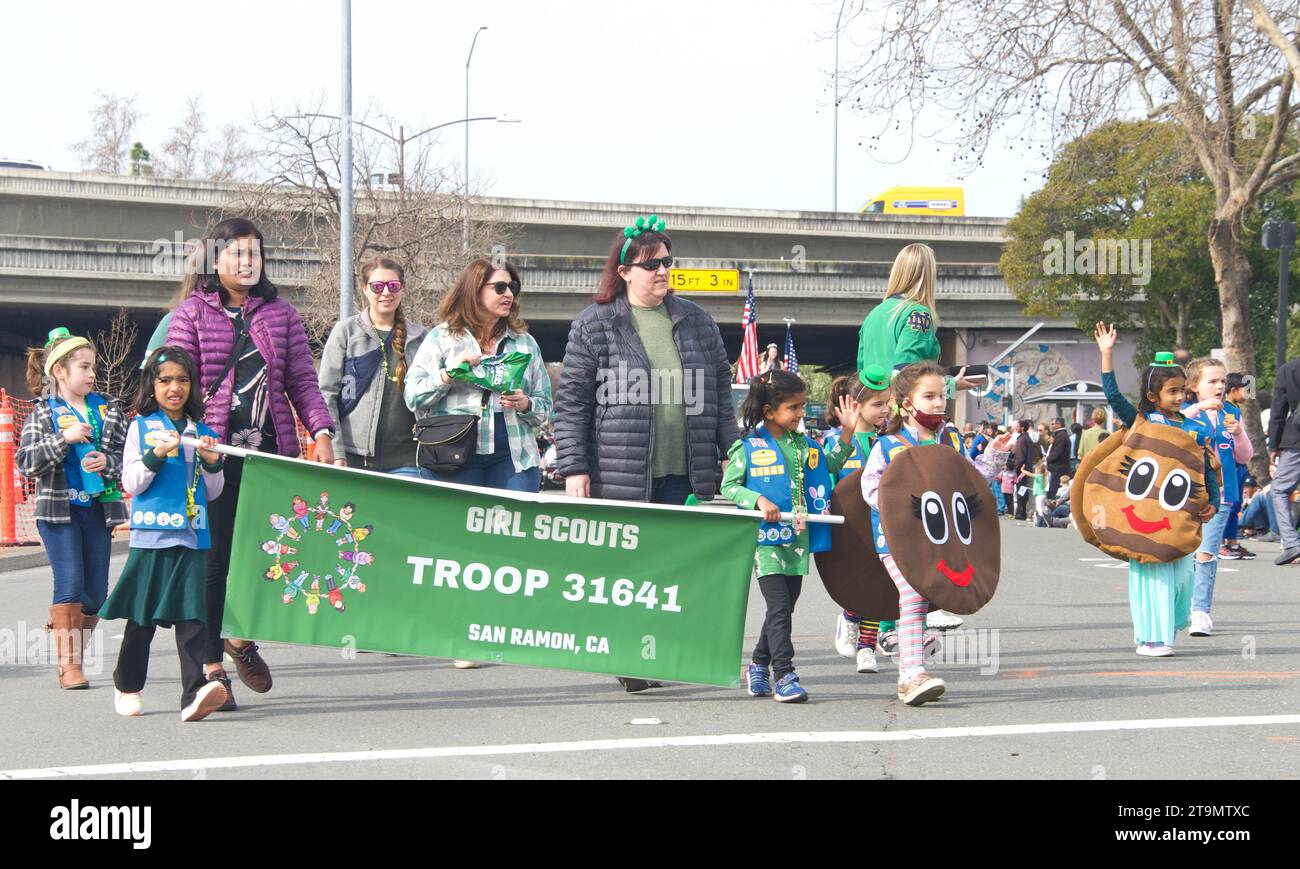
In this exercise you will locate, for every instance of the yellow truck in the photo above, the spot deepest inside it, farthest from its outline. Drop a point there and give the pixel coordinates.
(938, 201)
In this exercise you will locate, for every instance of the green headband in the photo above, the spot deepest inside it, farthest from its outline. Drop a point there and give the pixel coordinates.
(643, 224)
(1165, 360)
(874, 377)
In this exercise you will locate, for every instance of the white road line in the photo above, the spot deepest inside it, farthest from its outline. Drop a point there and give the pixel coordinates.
(790, 737)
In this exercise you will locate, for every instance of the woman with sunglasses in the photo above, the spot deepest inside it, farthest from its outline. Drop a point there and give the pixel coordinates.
(363, 377)
(480, 317)
(662, 448)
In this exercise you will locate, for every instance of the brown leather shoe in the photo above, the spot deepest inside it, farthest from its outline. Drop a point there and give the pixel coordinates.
(253, 671)
(65, 621)
(220, 676)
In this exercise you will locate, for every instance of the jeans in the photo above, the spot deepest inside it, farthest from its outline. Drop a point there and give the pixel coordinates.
(496, 470)
(996, 488)
(79, 553)
(1062, 511)
(672, 489)
(775, 646)
(1285, 480)
(1259, 514)
(409, 471)
(1211, 539)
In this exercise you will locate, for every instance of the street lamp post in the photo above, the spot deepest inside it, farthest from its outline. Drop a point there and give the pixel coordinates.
(345, 203)
(465, 204)
(835, 165)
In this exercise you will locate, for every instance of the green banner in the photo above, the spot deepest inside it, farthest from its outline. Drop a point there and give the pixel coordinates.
(329, 556)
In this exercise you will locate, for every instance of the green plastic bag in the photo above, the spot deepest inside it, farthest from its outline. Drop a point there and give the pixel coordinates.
(501, 373)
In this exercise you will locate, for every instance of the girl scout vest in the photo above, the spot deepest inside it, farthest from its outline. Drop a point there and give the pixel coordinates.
(892, 445)
(1214, 435)
(860, 452)
(83, 486)
(767, 475)
(164, 506)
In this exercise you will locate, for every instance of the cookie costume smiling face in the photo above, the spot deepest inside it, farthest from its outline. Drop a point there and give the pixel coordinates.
(941, 526)
(1142, 492)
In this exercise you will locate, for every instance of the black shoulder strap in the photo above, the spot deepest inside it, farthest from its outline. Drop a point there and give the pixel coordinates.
(241, 341)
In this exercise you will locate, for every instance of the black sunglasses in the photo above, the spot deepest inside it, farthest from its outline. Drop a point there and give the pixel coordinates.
(502, 286)
(652, 265)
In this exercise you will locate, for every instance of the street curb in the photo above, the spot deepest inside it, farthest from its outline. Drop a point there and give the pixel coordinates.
(27, 557)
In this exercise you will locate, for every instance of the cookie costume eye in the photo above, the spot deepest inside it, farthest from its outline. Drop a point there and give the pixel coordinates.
(961, 517)
(1176, 490)
(929, 509)
(1141, 478)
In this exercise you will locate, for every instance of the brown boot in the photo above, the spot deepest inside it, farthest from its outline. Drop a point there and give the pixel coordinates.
(65, 621)
(88, 625)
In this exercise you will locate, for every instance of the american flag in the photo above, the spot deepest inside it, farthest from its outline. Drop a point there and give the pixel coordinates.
(791, 360)
(747, 366)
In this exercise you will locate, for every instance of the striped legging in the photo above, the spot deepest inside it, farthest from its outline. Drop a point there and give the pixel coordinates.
(911, 621)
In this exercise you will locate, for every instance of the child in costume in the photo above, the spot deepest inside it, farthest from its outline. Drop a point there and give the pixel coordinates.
(775, 469)
(1217, 423)
(920, 396)
(856, 637)
(1160, 595)
(71, 446)
(164, 580)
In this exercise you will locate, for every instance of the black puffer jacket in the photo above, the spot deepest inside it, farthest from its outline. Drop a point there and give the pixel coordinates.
(610, 436)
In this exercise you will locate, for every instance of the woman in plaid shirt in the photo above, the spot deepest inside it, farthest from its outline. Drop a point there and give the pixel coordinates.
(72, 442)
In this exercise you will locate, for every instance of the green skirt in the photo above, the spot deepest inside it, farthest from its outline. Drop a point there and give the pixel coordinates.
(160, 587)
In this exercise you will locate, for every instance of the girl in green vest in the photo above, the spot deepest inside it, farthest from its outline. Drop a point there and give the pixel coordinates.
(775, 469)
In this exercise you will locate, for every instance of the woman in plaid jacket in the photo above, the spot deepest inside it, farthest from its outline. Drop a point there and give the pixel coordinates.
(71, 446)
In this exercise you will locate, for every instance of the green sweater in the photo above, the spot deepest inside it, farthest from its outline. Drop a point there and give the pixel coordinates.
(655, 329)
(888, 340)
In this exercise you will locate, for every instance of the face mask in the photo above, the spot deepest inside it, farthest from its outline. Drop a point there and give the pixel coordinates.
(931, 421)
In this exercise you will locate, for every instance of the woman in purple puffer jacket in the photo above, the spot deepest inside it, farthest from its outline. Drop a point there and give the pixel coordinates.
(255, 370)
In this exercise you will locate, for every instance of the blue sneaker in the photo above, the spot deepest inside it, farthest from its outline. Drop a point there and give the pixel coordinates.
(759, 681)
(788, 689)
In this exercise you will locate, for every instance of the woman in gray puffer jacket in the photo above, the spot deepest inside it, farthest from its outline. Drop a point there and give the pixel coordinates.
(643, 408)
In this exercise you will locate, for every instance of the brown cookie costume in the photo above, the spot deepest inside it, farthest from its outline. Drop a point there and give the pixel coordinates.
(1140, 493)
(851, 571)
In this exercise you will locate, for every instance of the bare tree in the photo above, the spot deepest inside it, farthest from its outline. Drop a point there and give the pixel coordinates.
(115, 357)
(113, 121)
(414, 219)
(1047, 71)
(182, 153)
(230, 157)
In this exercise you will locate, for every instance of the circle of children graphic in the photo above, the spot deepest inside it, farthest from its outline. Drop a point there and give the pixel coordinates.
(346, 539)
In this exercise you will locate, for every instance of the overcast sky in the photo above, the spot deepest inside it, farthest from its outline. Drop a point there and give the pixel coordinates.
(684, 103)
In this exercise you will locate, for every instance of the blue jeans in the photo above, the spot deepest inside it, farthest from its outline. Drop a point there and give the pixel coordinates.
(1260, 507)
(79, 553)
(495, 470)
(996, 488)
(1211, 539)
(409, 471)
(672, 489)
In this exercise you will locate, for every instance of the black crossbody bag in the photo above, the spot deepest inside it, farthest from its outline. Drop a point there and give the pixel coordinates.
(445, 444)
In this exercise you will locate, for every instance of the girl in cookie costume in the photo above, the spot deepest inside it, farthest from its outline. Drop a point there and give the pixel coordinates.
(1160, 595)
(920, 395)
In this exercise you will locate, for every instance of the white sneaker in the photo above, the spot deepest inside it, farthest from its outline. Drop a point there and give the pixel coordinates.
(128, 704)
(1202, 626)
(942, 621)
(209, 699)
(465, 665)
(1155, 650)
(867, 661)
(846, 635)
